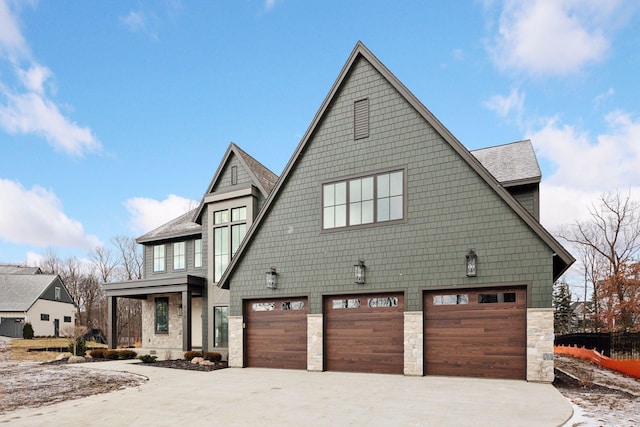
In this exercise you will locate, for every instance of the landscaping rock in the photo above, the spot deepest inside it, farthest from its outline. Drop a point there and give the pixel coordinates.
(196, 360)
(63, 356)
(205, 363)
(76, 359)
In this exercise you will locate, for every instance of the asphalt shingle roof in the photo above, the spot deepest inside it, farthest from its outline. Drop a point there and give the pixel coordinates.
(511, 162)
(181, 226)
(18, 292)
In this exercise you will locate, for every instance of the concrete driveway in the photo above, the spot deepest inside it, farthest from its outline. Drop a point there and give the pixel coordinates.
(271, 397)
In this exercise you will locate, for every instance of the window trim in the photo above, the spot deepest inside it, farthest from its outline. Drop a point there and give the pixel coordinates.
(183, 255)
(229, 226)
(44, 317)
(164, 258)
(214, 325)
(375, 223)
(155, 314)
(197, 256)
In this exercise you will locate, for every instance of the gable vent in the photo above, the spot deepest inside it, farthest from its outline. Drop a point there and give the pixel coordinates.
(361, 119)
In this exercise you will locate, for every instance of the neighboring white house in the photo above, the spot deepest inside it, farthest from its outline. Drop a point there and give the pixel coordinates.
(27, 295)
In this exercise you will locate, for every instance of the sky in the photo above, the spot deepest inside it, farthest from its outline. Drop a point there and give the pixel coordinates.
(115, 115)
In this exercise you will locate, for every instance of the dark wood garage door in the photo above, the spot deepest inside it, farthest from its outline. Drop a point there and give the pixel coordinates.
(476, 333)
(276, 333)
(364, 333)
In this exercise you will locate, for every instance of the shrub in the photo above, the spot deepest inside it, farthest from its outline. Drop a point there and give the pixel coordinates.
(127, 354)
(147, 358)
(27, 331)
(213, 356)
(97, 353)
(111, 354)
(80, 347)
(191, 354)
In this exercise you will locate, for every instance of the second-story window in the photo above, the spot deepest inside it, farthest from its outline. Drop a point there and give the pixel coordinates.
(179, 256)
(372, 199)
(197, 245)
(230, 228)
(158, 258)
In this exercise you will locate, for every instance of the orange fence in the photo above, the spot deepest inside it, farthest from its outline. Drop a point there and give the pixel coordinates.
(629, 367)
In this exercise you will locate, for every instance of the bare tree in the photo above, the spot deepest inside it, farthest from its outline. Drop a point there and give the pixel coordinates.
(50, 263)
(612, 235)
(130, 257)
(104, 262)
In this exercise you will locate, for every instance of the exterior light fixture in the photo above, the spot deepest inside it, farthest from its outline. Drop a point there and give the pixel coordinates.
(472, 261)
(359, 272)
(272, 276)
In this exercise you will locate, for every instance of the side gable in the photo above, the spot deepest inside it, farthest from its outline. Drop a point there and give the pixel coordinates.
(18, 292)
(343, 123)
(50, 292)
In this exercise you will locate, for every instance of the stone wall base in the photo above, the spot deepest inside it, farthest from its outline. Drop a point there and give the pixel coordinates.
(315, 342)
(540, 344)
(413, 343)
(236, 342)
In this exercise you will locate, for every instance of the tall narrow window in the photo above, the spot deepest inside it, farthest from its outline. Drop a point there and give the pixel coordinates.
(230, 227)
(221, 251)
(361, 119)
(197, 258)
(158, 258)
(220, 326)
(162, 315)
(57, 293)
(179, 256)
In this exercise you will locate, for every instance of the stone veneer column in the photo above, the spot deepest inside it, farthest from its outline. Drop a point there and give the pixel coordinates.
(413, 343)
(236, 342)
(540, 344)
(314, 342)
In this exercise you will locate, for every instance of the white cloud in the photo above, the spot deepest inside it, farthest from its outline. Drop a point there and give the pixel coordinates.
(32, 113)
(35, 216)
(586, 166)
(556, 37)
(12, 43)
(141, 22)
(148, 214)
(507, 105)
(26, 107)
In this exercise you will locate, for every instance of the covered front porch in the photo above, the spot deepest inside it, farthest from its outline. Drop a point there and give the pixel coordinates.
(169, 302)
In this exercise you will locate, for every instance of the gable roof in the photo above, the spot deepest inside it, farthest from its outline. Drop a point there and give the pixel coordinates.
(511, 164)
(17, 269)
(264, 179)
(562, 258)
(18, 292)
(179, 227)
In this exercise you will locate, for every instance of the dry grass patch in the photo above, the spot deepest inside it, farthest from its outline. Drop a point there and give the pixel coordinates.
(20, 347)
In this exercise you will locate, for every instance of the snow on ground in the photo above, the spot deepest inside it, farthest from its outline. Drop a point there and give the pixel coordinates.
(600, 397)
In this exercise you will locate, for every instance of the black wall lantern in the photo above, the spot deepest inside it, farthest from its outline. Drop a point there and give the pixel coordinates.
(272, 276)
(359, 272)
(472, 263)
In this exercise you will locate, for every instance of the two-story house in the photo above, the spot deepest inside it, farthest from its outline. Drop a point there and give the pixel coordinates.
(182, 308)
(389, 247)
(385, 246)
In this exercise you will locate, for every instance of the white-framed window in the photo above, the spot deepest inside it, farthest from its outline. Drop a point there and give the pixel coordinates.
(363, 200)
(230, 227)
(57, 293)
(197, 256)
(158, 258)
(179, 256)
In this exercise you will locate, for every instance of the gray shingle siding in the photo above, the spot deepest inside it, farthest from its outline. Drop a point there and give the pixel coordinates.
(224, 181)
(450, 209)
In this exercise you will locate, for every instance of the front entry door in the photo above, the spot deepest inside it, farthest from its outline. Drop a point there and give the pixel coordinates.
(56, 328)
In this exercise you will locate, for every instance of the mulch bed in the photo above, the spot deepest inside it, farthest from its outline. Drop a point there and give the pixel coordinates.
(186, 365)
(172, 364)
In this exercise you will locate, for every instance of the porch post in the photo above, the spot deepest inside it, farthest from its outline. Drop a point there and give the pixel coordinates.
(112, 321)
(186, 320)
